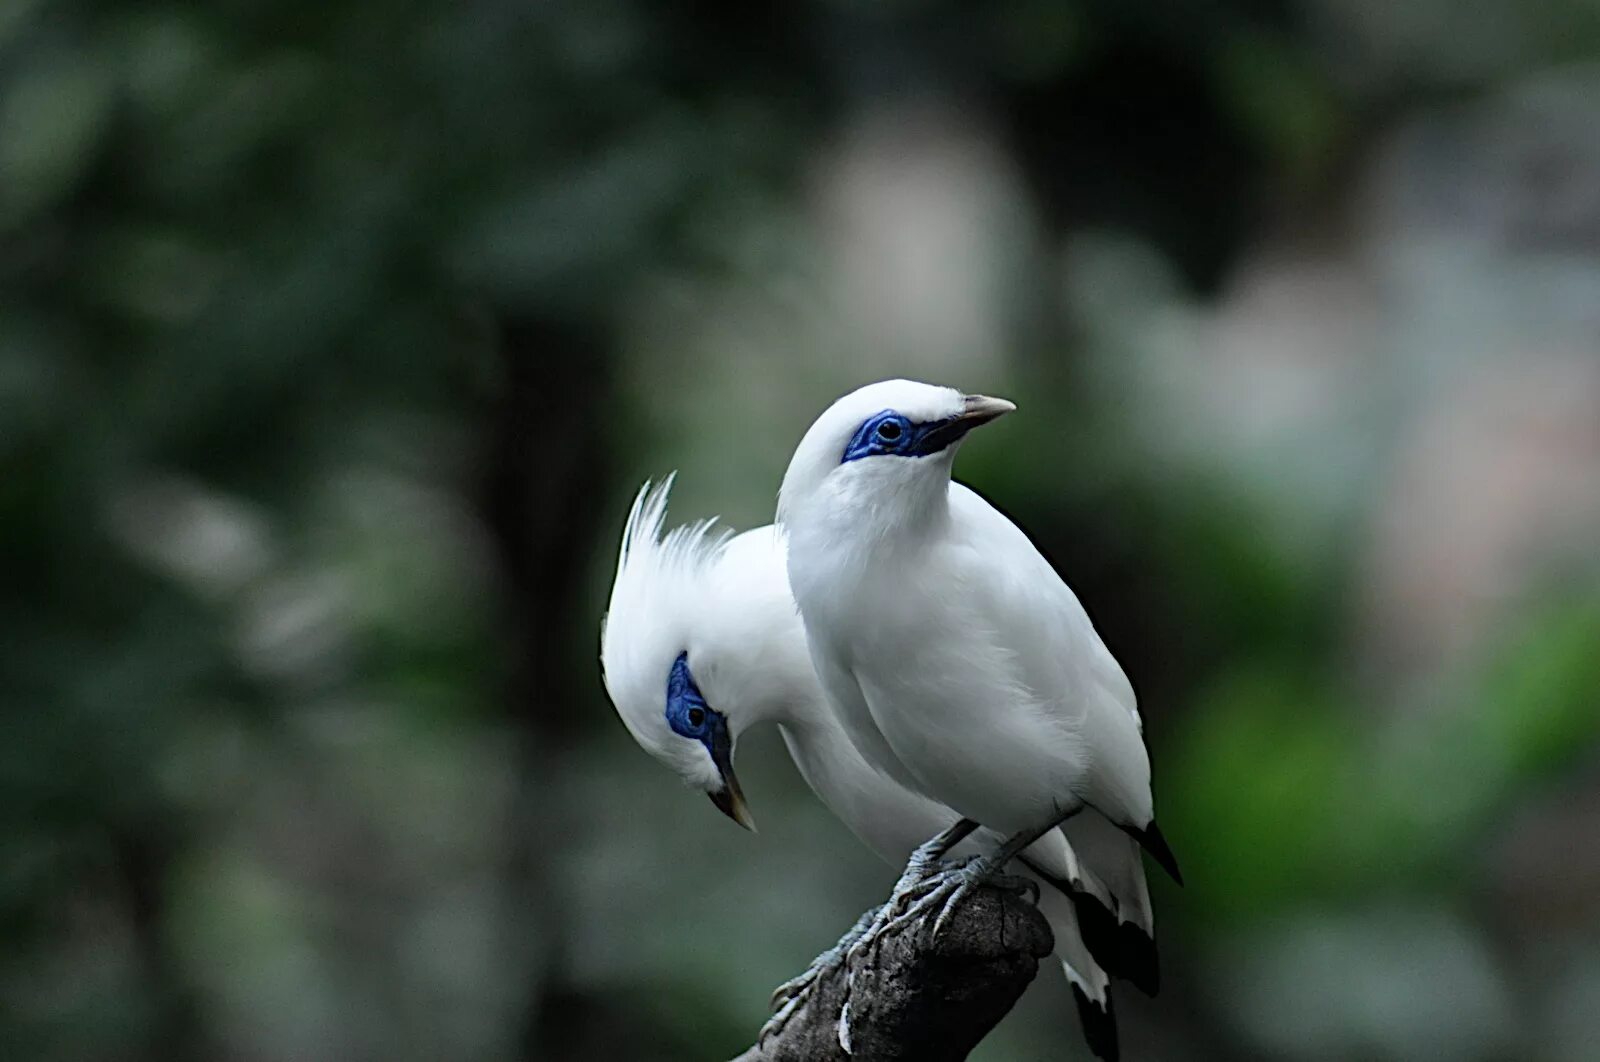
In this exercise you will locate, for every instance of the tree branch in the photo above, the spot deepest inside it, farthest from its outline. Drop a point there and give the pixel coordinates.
(919, 999)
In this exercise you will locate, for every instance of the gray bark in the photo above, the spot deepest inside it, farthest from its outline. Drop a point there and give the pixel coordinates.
(919, 999)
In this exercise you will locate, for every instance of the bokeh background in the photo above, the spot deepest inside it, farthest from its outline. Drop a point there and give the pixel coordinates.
(335, 336)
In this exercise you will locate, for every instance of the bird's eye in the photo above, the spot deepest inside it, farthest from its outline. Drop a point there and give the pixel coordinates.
(697, 717)
(889, 431)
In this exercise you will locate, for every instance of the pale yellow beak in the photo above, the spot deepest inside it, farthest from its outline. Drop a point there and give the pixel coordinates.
(730, 801)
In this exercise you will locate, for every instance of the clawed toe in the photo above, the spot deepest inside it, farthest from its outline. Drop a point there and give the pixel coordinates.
(790, 996)
(775, 1024)
(791, 989)
(950, 901)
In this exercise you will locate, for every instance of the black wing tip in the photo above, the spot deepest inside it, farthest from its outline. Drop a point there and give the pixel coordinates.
(1099, 1025)
(1150, 837)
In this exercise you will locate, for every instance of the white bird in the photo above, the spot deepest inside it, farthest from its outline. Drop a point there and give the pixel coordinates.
(958, 660)
(702, 640)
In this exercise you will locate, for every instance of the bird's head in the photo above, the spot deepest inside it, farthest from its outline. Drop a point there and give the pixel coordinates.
(697, 641)
(896, 437)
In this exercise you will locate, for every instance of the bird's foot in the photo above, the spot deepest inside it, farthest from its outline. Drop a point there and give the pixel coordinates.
(925, 865)
(943, 894)
(779, 1020)
(789, 997)
(904, 905)
(934, 892)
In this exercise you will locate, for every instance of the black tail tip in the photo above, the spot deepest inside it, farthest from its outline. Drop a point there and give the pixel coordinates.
(1121, 948)
(1141, 966)
(1099, 1025)
(1159, 850)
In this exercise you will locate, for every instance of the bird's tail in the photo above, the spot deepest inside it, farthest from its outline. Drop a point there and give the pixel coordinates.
(1098, 1018)
(1091, 987)
(1098, 870)
(1123, 938)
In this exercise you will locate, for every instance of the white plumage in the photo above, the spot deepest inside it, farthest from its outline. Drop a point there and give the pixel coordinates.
(956, 657)
(723, 602)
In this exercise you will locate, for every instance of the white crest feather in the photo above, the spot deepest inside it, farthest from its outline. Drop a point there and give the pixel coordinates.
(647, 624)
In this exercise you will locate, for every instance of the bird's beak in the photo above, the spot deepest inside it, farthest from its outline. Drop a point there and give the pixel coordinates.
(730, 801)
(981, 409)
(730, 798)
(975, 410)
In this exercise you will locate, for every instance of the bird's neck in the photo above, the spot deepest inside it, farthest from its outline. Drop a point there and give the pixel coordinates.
(826, 759)
(889, 818)
(864, 522)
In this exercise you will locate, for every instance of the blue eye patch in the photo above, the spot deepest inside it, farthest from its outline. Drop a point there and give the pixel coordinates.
(888, 433)
(689, 715)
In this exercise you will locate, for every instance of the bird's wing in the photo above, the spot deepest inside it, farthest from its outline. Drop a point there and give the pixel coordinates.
(848, 703)
(1024, 579)
(1054, 651)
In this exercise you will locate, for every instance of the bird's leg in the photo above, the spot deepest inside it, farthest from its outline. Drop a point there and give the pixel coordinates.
(788, 997)
(924, 865)
(958, 883)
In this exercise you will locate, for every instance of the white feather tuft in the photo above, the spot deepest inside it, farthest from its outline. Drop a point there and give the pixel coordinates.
(647, 624)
